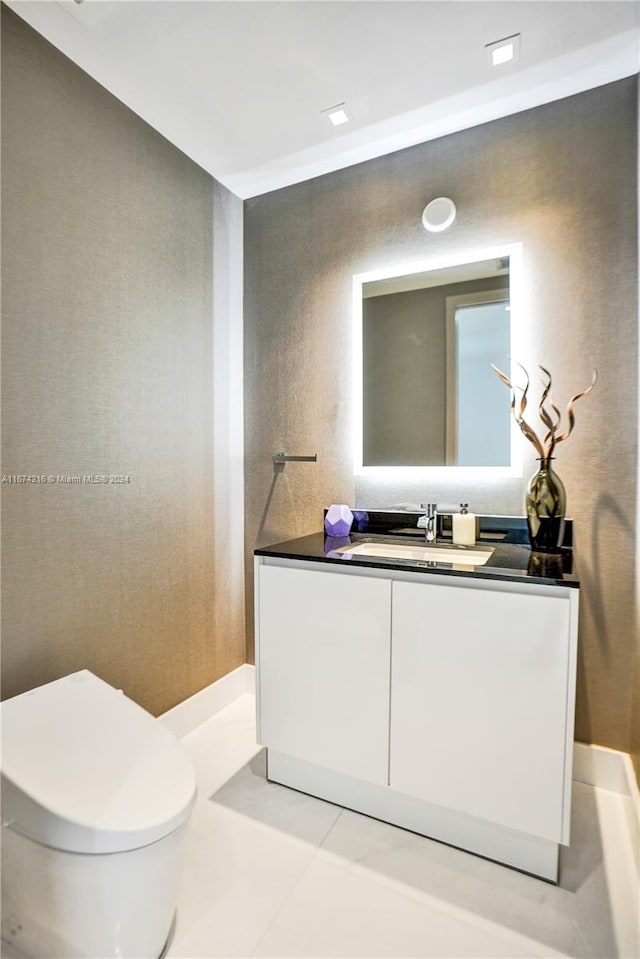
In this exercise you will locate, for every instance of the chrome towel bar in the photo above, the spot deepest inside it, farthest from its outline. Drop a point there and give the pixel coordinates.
(286, 458)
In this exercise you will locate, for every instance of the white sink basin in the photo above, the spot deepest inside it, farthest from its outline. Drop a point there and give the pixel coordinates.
(420, 554)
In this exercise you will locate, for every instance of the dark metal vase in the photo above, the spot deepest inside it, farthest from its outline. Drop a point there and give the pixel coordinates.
(546, 502)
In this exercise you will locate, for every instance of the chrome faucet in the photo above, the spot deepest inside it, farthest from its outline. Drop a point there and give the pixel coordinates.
(430, 521)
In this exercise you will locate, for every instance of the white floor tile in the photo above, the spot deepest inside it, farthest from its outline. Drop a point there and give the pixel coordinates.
(249, 841)
(292, 813)
(335, 912)
(600, 873)
(458, 880)
(222, 745)
(271, 872)
(237, 875)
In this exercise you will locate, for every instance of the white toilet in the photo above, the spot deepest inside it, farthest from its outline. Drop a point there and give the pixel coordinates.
(96, 795)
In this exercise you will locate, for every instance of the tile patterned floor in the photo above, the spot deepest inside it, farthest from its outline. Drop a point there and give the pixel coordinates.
(270, 872)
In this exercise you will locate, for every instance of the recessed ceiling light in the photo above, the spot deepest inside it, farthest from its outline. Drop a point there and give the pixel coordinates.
(504, 51)
(338, 114)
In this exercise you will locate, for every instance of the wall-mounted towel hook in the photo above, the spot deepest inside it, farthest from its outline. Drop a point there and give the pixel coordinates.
(282, 458)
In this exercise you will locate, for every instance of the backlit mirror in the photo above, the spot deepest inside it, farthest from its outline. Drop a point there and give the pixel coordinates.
(426, 395)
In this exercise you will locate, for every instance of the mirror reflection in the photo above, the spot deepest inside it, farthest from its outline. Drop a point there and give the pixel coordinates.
(429, 395)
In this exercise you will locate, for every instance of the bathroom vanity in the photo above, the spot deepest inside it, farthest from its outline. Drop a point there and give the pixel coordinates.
(432, 695)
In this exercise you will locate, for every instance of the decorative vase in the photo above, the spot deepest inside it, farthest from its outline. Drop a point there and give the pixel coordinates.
(546, 502)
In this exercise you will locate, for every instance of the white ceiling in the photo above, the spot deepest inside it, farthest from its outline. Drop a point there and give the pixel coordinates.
(240, 86)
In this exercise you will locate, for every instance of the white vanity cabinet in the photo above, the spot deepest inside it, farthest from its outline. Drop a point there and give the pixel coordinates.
(479, 696)
(323, 667)
(442, 704)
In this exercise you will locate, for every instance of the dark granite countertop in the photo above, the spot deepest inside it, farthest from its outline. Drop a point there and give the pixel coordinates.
(511, 561)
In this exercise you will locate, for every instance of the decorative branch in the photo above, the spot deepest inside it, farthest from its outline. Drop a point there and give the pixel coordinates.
(545, 446)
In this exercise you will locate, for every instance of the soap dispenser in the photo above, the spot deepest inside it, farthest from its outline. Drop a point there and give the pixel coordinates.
(464, 527)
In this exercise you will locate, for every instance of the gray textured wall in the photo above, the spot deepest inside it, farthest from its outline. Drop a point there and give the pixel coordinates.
(107, 365)
(561, 179)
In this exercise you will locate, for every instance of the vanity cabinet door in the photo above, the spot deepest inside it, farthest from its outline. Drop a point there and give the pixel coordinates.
(482, 703)
(323, 667)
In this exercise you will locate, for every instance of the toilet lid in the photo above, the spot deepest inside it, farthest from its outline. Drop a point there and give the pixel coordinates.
(85, 769)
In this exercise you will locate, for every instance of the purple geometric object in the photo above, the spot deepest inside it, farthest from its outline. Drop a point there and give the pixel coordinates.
(338, 520)
(360, 520)
(333, 543)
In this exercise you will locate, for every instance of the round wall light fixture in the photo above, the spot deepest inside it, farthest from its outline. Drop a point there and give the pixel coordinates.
(439, 214)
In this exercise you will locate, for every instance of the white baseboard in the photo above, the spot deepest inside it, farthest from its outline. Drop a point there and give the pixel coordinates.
(192, 712)
(613, 770)
(602, 767)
